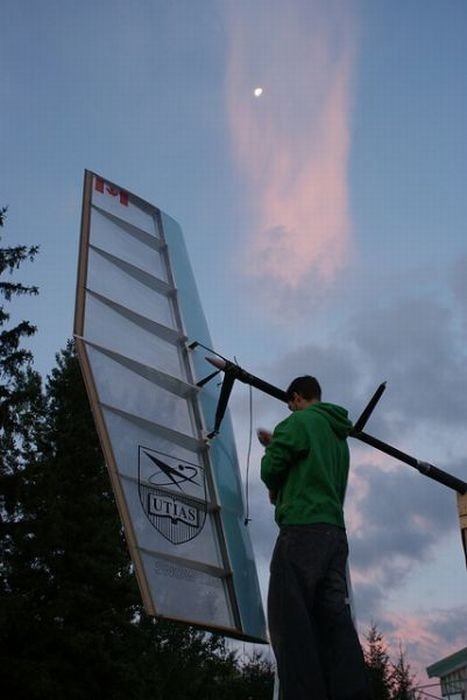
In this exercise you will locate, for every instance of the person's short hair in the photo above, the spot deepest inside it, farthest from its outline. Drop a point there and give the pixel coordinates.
(307, 386)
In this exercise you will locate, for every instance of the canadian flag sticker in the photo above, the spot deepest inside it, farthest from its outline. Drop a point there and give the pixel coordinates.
(104, 188)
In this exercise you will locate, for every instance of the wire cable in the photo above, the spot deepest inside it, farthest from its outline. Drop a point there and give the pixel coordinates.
(248, 458)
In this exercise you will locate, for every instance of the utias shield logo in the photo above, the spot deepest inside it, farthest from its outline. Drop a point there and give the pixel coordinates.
(172, 492)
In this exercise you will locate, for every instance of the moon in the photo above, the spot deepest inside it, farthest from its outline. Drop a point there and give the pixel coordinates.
(258, 91)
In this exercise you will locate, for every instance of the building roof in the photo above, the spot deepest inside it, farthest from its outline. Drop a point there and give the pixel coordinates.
(448, 664)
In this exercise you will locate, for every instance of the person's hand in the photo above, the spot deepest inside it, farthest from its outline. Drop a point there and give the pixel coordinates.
(264, 436)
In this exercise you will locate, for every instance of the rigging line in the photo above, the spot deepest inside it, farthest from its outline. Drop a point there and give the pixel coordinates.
(248, 457)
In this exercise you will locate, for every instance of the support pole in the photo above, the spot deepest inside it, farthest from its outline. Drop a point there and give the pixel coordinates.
(462, 507)
(425, 468)
(362, 421)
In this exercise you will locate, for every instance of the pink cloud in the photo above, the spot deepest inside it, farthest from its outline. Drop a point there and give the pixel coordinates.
(292, 143)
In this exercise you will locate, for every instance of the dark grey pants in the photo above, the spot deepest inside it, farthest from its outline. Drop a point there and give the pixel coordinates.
(315, 643)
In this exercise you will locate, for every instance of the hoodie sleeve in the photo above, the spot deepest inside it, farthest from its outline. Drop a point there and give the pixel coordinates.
(288, 442)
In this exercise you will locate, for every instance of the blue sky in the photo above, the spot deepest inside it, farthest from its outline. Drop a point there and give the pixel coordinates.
(325, 222)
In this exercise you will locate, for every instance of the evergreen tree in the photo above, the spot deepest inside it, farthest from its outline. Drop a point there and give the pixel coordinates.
(379, 666)
(21, 407)
(19, 389)
(80, 597)
(403, 680)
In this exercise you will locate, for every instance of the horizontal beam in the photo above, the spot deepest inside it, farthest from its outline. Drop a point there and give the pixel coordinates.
(424, 468)
(233, 370)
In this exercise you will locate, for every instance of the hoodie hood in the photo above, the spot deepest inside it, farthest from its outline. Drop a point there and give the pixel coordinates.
(336, 416)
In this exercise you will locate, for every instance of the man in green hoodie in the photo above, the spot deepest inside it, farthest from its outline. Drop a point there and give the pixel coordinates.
(305, 467)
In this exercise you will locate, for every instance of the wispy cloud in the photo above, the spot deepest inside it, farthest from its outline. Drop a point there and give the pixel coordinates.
(425, 636)
(292, 143)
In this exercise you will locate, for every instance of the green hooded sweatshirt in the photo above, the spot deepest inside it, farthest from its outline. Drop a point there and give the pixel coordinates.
(306, 465)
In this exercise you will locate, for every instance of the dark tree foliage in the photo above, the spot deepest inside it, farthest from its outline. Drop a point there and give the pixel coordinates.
(21, 409)
(20, 391)
(403, 680)
(256, 678)
(379, 665)
(388, 680)
(80, 631)
(77, 589)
